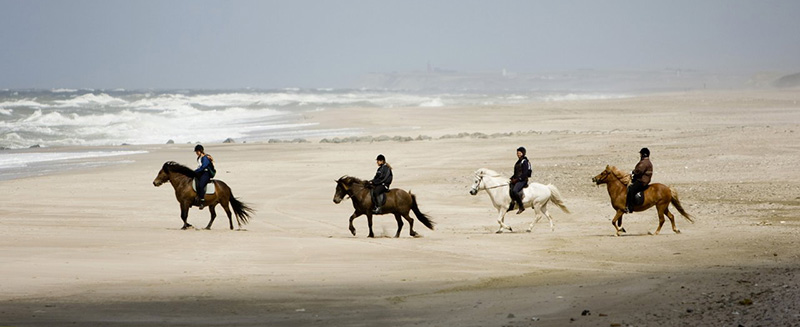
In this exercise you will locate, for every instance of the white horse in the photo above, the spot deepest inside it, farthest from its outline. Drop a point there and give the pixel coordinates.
(536, 196)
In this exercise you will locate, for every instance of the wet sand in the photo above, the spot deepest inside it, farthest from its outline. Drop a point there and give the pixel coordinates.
(103, 246)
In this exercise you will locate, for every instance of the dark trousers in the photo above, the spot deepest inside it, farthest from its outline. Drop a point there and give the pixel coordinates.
(202, 180)
(634, 188)
(516, 191)
(376, 195)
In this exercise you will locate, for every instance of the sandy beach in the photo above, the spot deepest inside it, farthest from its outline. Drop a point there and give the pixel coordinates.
(103, 246)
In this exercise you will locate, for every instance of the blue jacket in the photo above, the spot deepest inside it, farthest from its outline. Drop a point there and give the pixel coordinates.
(204, 163)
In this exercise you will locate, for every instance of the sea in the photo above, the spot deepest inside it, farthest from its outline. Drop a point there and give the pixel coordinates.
(76, 118)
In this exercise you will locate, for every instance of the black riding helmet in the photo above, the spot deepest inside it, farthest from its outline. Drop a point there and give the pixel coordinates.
(645, 152)
(522, 149)
(381, 158)
(199, 148)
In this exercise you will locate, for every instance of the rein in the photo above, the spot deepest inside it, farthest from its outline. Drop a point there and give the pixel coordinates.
(492, 187)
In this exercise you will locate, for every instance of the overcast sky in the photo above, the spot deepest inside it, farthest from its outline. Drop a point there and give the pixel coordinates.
(274, 44)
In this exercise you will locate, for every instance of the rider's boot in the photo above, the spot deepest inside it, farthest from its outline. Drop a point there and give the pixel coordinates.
(511, 206)
(519, 203)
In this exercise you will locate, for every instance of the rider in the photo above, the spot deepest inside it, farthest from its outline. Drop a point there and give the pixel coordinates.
(205, 162)
(381, 182)
(641, 178)
(522, 171)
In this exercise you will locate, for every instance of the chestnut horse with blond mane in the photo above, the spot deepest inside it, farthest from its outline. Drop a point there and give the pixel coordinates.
(656, 194)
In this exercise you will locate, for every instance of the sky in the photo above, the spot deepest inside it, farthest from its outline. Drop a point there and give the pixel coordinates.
(298, 43)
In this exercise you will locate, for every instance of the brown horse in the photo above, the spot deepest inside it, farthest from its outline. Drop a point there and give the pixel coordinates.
(182, 177)
(658, 195)
(398, 202)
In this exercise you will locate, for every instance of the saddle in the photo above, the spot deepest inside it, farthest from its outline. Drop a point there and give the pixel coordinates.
(638, 198)
(210, 187)
(380, 199)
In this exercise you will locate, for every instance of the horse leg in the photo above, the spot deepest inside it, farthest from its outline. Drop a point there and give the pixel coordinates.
(538, 213)
(399, 224)
(369, 223)
(185, 215)
(410, 225)
(213, 212)
(617, 216)
(549, 217)
(230, 216)
(660, 210)
(501, 220)
(352, 228)
(671, 220)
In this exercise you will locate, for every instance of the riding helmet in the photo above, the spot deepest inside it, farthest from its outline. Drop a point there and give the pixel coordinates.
(522, 149)
(645, 152)
(381, 158)
(199, 148)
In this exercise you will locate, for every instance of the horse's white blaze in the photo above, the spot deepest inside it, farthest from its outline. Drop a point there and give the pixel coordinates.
(536, 196)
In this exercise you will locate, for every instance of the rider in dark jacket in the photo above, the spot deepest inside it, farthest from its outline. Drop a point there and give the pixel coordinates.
(381, 183)
(641, 178)
(522, 171)
(203, 176)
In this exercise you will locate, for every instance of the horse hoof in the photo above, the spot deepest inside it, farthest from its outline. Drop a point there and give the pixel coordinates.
(499, 231)
(527, 230)
(207, 228)
(677, 231)
(353, 231)
(651, 233)
(414, 234)
(623, 230)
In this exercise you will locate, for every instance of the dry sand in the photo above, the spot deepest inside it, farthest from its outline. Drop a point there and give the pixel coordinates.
(103, 246)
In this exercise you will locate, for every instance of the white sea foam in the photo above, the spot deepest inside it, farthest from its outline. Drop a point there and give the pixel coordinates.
(19, 160)
(89, 99)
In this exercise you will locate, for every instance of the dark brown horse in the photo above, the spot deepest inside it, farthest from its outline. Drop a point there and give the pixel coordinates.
(658, 195)
(182, 177)
(398, 202)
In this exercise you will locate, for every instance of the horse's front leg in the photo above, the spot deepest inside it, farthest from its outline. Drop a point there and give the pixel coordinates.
(617, 217)
(369, 223)
(185, 214)
(501, 217)
(352, 228)
(213, 216)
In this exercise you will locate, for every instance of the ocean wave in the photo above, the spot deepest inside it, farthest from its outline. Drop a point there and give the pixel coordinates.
(90, 99)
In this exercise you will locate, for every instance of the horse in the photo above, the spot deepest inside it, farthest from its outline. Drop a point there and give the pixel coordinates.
(398, 202)
(535, 195)
(182, 177)
(656, 194)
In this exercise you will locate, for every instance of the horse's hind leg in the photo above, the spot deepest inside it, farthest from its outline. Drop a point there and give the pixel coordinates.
(410, 225)
(538, 212)
(660, 210)
(671, 220)
(213, 212)
(549, 217)
(228, 212)
(399, 224)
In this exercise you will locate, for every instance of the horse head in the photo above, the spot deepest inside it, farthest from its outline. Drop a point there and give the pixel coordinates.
(478, 181)
(163, 175)
(343, 185)
(611, 171)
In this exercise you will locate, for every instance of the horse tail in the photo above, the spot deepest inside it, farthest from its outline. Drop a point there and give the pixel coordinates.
(555, 197)
(425, 220)
(242, 211)
(677, 204)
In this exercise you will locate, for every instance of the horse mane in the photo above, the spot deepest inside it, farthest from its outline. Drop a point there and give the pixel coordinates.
(350, 180)
(623, 177)
(174, 167)
(486, 172)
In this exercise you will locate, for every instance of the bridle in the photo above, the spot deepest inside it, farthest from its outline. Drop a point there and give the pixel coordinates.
(480, 179)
